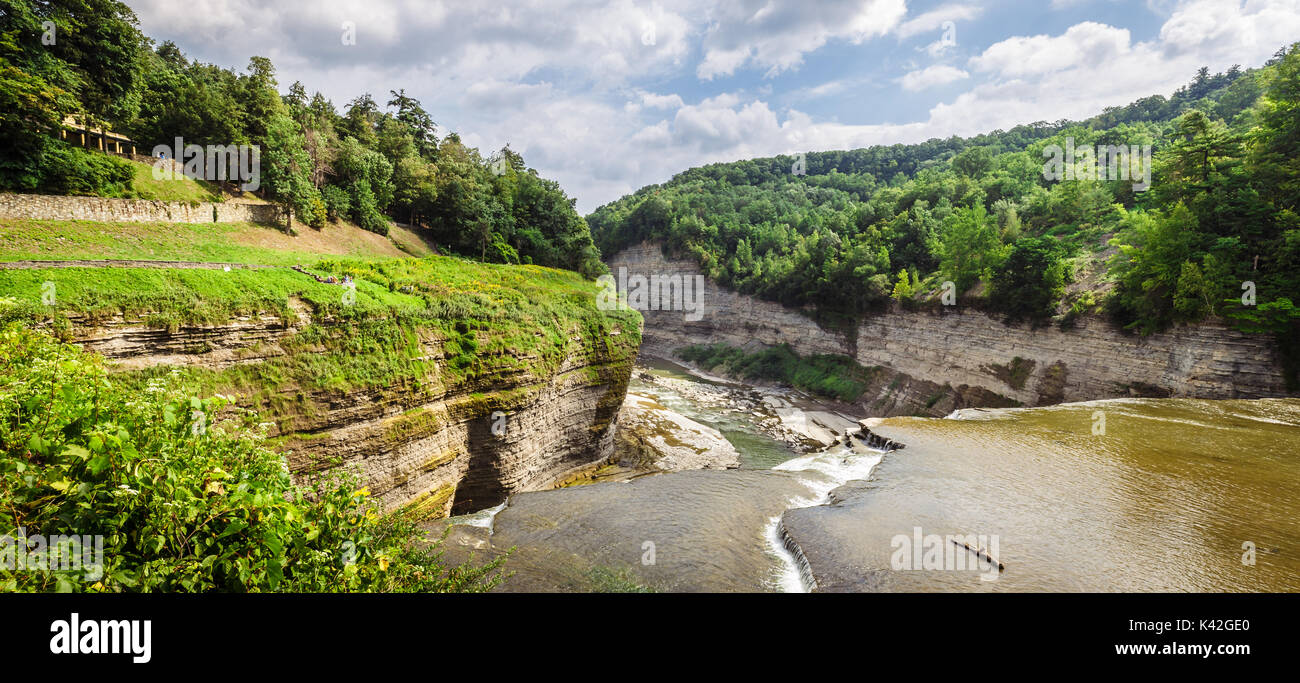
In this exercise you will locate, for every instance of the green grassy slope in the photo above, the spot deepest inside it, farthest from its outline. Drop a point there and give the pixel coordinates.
(44, 240)
(490, 320)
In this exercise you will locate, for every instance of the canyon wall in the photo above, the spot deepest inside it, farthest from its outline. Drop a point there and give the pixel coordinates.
(440, 448)
(934, 362)
(728, 317)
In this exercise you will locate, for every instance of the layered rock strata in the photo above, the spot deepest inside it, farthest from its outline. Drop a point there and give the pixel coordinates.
(442, 449)
(931, 363)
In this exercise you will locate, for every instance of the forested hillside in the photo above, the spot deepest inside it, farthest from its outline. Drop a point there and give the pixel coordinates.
(859, 227)
(369, 162)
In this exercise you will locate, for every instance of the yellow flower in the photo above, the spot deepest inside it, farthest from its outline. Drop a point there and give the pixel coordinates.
(383, 563)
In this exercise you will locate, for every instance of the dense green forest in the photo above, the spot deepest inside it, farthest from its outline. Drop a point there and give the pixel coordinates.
(860, 227)
(366, 163)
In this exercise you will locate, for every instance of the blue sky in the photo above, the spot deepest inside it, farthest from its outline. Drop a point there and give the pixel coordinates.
(609, 96)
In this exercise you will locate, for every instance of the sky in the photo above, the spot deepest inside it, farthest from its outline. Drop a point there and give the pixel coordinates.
(609, 96)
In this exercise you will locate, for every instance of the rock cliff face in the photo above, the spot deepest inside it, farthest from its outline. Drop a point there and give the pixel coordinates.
(443, 450)
(934, 362)
(728, 317)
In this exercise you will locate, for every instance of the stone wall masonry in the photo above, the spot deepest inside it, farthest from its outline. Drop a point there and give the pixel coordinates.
(112, 210)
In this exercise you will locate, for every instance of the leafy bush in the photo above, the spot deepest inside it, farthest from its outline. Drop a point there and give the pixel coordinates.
(67, 169)
(183, 490)
(337, 202)
(832, 376)
(1030, 281)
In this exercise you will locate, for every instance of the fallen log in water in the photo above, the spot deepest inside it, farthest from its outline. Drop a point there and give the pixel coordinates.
(980, 553)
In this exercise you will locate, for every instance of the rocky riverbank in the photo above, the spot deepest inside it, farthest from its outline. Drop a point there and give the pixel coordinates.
(669, 519)
(800, 422)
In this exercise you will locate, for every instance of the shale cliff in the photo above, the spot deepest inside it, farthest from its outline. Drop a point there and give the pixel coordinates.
(934, 362)
(444, 404)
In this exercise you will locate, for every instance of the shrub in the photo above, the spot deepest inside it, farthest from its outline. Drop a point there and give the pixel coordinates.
(1030, 282)
(67, 169)
(832, 376)
(337, 201)
(183, 490)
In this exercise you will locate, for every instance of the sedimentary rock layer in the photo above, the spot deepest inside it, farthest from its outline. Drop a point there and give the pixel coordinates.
(412, 443)
(934, 362)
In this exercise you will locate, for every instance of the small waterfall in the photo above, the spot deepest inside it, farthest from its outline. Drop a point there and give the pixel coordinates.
(483, 518)
(797, 558)
(875, 441)
(837, 466)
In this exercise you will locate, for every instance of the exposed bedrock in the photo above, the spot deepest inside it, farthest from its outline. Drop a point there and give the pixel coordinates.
(935, 362)
(420, 443)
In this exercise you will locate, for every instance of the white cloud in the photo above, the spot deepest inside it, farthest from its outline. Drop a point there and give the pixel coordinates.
(938, 47)
(653, 101)
(929, 77)
(822, 90)
(573, 87)
(1220, 28)
(648, 100)
(1084, 43)
(775, 34)
(503, 95)
(934, 19)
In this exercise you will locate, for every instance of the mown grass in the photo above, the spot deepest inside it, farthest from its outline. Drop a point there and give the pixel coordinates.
(45, 240)
(832, 376)
(179, 189)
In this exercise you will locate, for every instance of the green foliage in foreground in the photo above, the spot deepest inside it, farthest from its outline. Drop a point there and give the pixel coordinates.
(832, 376)
(183, 505)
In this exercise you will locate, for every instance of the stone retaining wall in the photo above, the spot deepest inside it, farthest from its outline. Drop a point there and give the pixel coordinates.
(66, 208)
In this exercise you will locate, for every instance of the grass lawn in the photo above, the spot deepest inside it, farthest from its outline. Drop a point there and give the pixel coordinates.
(180, 189)
(41, 240)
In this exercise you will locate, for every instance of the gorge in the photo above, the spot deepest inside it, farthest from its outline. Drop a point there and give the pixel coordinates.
(938, 361)
(431, 429)
(780, 472)
(822, 516)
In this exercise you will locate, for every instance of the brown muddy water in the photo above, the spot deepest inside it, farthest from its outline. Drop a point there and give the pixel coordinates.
(1171, 497)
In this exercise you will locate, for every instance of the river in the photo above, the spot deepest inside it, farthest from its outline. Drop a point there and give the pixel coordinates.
(1118, 495)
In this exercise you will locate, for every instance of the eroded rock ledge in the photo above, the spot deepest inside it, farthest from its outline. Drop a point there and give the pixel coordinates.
(442, 450)
(934, 363)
